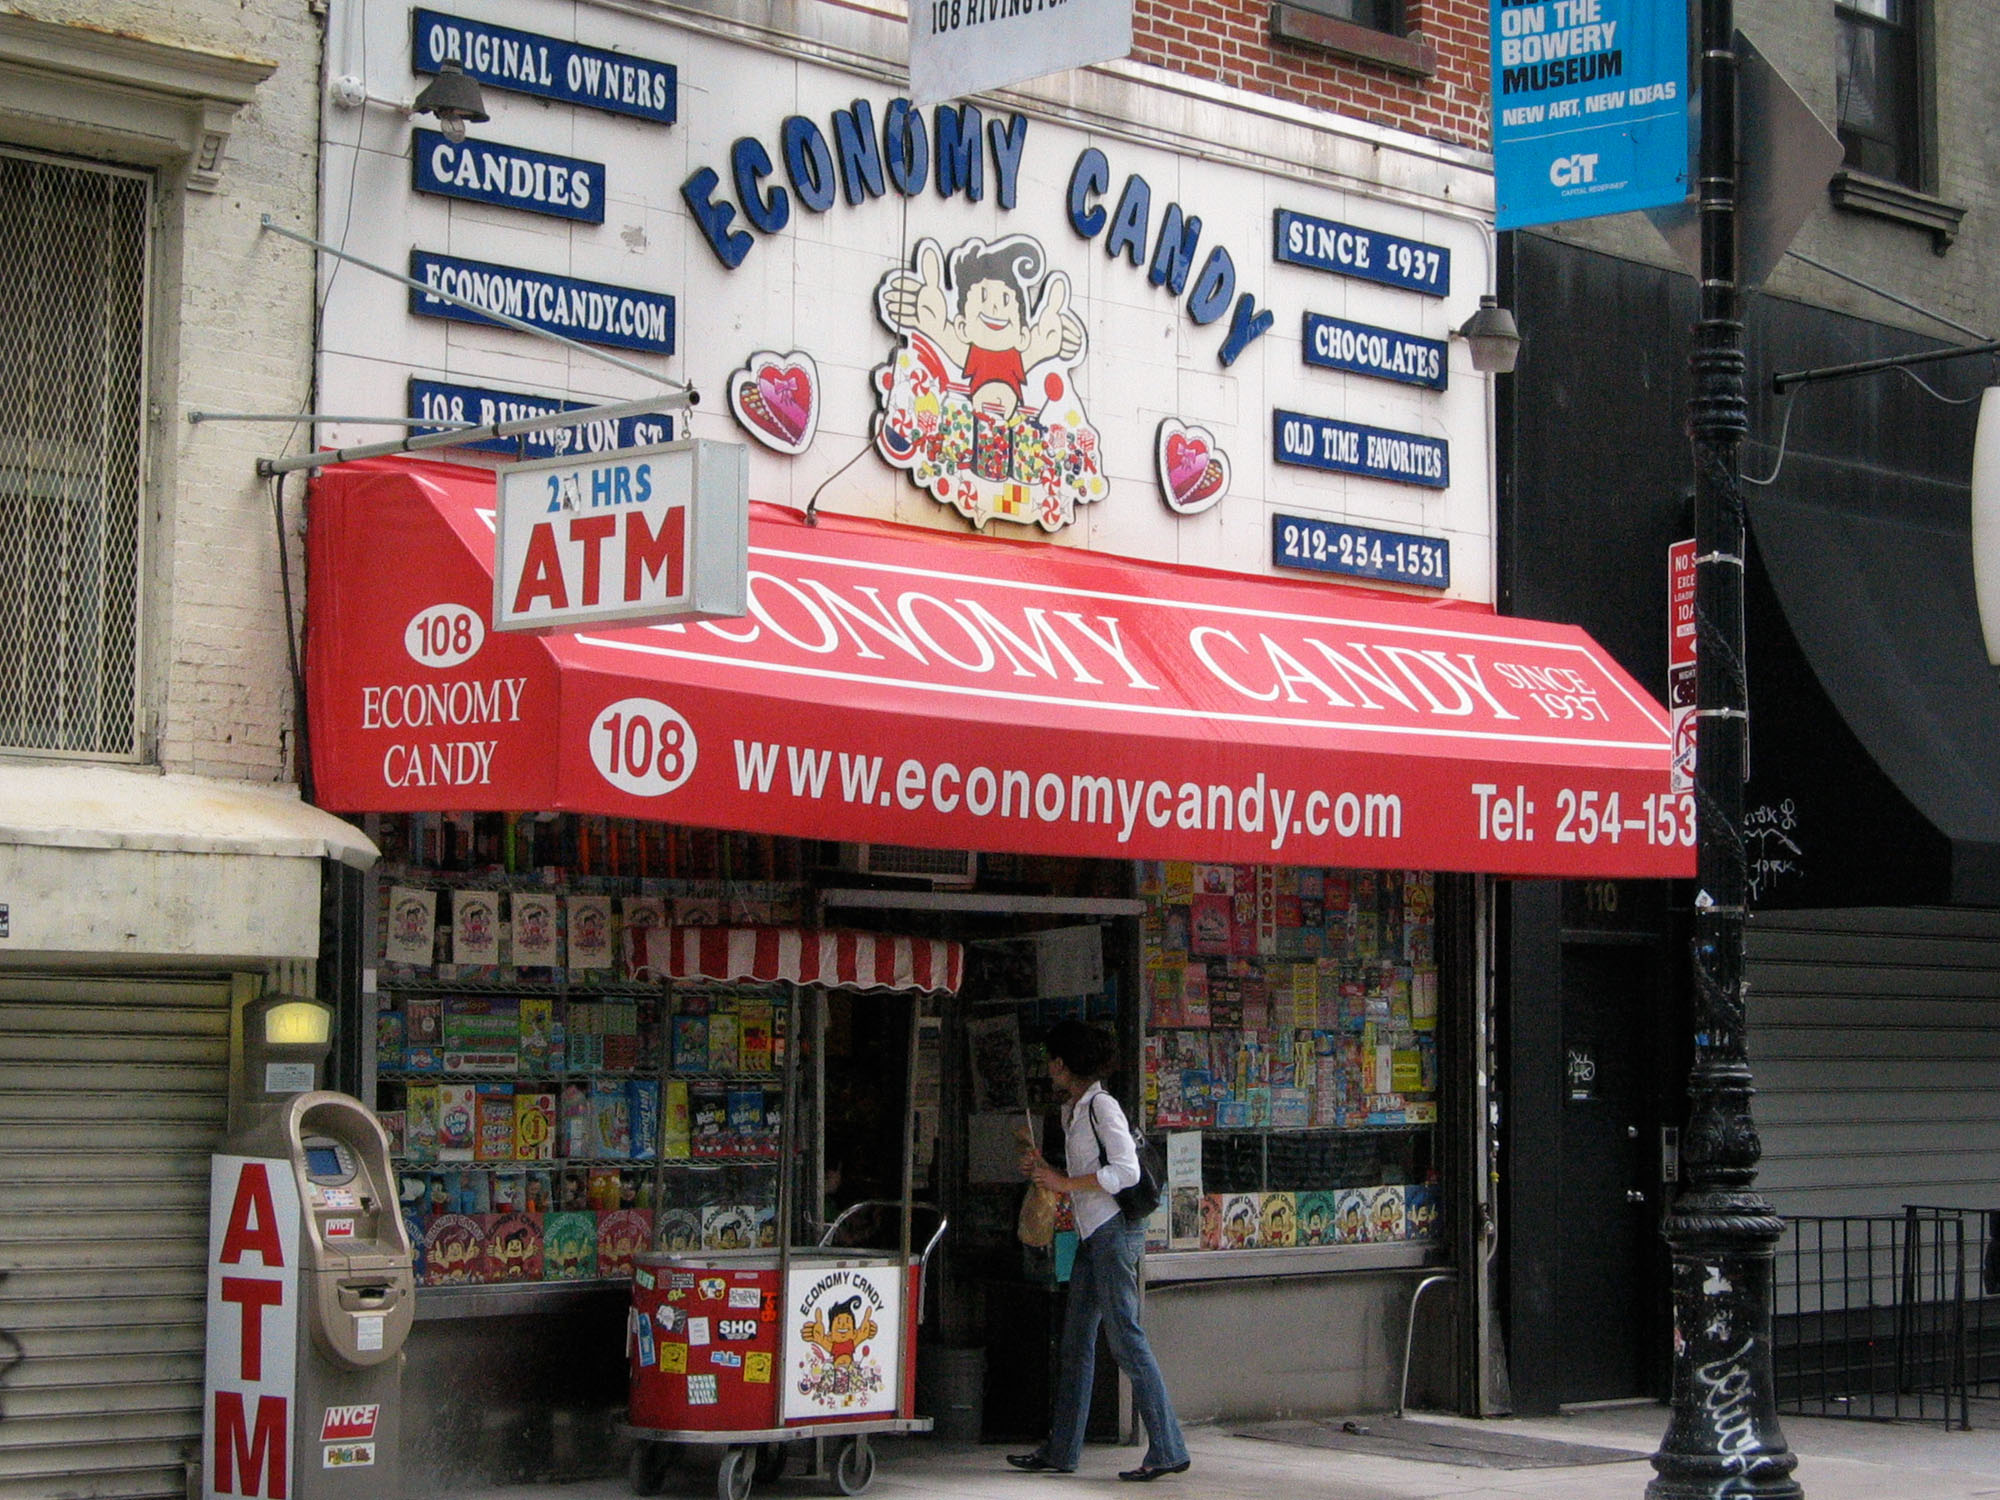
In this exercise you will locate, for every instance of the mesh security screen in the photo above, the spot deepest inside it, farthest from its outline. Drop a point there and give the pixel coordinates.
(72, 325)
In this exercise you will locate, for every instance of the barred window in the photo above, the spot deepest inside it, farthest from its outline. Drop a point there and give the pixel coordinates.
(73, 239)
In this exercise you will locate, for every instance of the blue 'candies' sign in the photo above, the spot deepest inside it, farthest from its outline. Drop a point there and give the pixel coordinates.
(1349, 448)
(440, 401)
(1346, 250)
(594, 312)
(1334, 344)
(546, 66)
(510, 176)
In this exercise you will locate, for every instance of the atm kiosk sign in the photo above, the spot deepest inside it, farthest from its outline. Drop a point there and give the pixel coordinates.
(646, 534)
(253, 1320)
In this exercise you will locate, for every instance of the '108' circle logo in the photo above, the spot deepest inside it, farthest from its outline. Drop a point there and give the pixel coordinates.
(643, 747)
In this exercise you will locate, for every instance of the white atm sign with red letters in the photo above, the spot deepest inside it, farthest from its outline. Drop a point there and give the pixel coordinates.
(253, 1312)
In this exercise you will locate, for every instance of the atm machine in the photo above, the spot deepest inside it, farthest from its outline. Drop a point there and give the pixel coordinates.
(311, 1290)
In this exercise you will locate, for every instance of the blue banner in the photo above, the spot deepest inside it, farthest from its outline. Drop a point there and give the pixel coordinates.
(1366, 254)
(548, 67)
(1335, 547)
(1590, 108)
(485, 172)
(1335, 344)
(441, 401)
(593, 312)
(1349, 448)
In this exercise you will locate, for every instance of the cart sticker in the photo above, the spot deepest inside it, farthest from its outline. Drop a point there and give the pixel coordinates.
(671, 1319)
(701, 1390)
(769, 1311)
(341, 1423)
(680, 1281)
(677, 1296)
(756, 1368)
(348, 1456)
(745, 1296)
(726, 1359)
(697, 1331)
(674, 1359)
(711, 1288)
(645, 1342)
(843, 1342)
(737, 1330)
(643, 1278)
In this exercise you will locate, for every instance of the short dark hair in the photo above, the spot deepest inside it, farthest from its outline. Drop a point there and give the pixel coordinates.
(1087, 1051)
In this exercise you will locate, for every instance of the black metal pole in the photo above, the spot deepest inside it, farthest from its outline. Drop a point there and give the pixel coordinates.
(1724, 1438)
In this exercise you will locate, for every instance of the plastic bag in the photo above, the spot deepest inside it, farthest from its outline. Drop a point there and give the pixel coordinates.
(1037, 1226)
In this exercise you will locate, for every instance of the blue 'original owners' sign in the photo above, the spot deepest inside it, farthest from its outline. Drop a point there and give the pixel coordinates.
(1590, 108)
(1335, 344)
(511, 176)
(1349, 448)
(1348, 250)
(442, 401)
(594, 312)
(546, 66)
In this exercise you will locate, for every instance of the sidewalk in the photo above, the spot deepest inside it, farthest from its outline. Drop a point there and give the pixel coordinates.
(1838, 1460)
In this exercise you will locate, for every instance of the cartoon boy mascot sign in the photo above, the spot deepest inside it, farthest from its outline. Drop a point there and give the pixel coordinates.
(980, 403)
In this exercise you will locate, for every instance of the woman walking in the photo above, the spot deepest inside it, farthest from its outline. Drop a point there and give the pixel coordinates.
(1101, 1160)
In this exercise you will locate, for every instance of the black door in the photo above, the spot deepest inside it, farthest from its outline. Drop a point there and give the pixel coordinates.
(1607, 1190)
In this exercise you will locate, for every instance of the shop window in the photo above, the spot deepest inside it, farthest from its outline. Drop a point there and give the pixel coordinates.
(1367, 31)
(1291, 1055)
(1376, 15)
(72, 318)
(1880, 89)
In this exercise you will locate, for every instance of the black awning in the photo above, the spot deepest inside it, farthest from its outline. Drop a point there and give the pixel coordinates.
(1874, 712)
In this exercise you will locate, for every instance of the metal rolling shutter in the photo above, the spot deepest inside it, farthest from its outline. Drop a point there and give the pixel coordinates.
(1875, 1040)
(112, 1095)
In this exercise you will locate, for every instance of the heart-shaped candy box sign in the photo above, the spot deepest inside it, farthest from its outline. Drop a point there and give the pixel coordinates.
(776, 398)
(1194, 472)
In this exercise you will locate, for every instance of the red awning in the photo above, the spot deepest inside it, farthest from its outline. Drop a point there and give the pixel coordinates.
(895, 685)
(840, 960)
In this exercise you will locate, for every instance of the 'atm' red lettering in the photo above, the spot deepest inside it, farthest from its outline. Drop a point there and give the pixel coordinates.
(252, 1203)
(255, 1294)
(256, 1455)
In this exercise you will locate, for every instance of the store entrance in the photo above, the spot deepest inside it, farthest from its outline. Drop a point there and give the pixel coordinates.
(1606, 1176)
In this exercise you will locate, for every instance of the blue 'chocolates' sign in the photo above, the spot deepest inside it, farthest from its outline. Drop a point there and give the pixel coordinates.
(1349, 448)
(1335, 344)
(593, 312)
(510, 176)
(548, 67)
(1348, 250)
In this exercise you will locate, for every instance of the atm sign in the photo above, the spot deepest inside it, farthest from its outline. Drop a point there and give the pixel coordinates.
(346, 1422)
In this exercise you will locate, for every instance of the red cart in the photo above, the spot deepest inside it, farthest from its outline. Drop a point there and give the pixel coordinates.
(751, 1350)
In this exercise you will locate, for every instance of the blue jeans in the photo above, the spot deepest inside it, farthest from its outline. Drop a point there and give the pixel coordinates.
(1104, 1287)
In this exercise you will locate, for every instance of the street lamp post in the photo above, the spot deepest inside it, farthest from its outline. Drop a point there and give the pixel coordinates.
(1724, 1439)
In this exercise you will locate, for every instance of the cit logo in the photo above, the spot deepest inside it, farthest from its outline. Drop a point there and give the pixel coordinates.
(1568, 171)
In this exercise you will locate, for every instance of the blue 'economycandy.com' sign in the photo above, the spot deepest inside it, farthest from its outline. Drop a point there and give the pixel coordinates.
(1590, 108)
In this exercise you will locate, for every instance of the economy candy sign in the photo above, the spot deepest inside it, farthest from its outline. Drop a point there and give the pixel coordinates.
(1590, 108)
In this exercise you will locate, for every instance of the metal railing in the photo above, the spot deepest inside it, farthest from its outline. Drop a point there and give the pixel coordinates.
(1894, 1317)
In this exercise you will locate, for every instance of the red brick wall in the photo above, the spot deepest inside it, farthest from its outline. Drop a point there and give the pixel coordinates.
(1230, 42)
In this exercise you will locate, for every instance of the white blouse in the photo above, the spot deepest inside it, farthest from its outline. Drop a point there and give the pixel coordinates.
(1115, 1168)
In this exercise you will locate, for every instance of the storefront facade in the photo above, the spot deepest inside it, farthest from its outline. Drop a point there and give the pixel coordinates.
(1119, 560)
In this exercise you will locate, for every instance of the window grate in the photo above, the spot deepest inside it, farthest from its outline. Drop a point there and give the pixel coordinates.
(73, 240)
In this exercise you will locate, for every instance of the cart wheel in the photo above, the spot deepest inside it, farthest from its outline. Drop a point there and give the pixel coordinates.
(854, 1470)
(647, 1469)
(732, 1480)
(770, 1462)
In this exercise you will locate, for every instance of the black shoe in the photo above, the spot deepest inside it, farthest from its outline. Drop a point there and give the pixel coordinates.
(1146, 1473)
(1034, 1463)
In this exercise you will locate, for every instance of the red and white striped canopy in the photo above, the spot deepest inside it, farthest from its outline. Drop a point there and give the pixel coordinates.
(837, 959)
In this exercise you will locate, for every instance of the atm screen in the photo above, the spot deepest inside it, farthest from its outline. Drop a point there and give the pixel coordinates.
(323, 1161)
